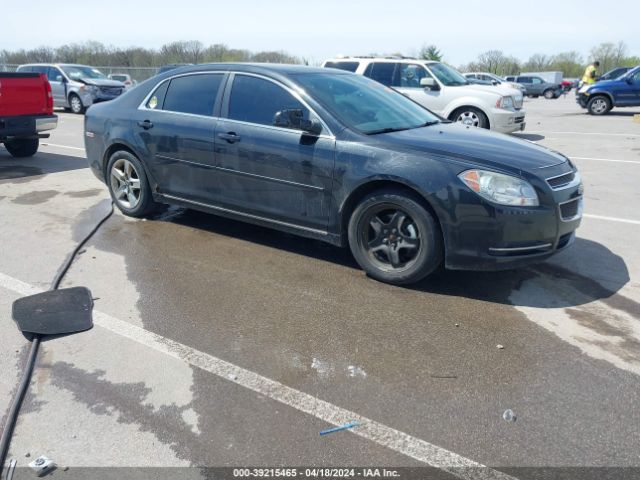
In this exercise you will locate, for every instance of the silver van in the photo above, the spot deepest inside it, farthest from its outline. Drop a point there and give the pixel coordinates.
(76, 87)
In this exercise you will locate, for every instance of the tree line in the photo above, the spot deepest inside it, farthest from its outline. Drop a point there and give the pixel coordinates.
(98, 54)
(571, 63)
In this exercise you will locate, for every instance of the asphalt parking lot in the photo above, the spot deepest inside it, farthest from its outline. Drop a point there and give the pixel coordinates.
(224, 344)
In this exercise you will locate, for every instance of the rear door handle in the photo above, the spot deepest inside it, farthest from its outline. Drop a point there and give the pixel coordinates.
(146, 124)
(230, 137)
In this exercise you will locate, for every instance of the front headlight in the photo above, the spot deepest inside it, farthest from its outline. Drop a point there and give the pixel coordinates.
(505, 102)
(500, 188)
(583, 89)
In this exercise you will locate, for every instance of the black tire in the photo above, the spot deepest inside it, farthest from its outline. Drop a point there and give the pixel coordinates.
(549, 94)
(122, 189)
(76, 105)
(402, 250)
(470, 116)
(599, 105)
(22, 147)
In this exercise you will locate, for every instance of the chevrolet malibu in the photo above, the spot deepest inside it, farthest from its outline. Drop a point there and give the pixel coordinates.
(334, 156)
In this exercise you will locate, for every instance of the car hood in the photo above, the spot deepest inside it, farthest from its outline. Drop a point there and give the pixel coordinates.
(607, 83)
(476, 145)
(102, 82)
(502, 90)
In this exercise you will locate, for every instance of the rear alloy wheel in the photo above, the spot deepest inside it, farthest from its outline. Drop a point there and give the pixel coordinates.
(394, 238)
(471, 117)
(549, 94)
(22, 147)
(599, 105)
(128, 185)
(76, 104)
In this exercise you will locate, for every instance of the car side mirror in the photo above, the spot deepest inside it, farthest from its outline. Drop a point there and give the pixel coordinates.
(630, 80)
(429, 83)
(494, 82)
(294, 118)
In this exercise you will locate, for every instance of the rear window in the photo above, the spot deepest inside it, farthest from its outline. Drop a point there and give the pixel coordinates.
(383, 72)
(348, 66)
(194, 94)
(120, 78)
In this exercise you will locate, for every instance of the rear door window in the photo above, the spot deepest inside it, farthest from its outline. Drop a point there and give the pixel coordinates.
(256, 100)
(524, 79)
(348, 66)
(194, 94)
(383, 72)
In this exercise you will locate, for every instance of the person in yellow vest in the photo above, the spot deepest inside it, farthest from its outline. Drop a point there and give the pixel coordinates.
(591, 73)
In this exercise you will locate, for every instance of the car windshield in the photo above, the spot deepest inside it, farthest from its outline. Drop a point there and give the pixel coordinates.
(447, 75)
(363, 104)
(77, 72)
(121, 78)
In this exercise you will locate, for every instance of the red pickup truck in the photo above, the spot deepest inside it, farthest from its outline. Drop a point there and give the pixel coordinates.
(26, 110)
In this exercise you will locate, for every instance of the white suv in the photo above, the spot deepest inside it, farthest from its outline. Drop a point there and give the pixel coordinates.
(443, 90)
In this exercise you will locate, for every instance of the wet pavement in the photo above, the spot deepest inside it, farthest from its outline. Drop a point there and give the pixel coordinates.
(423, 360)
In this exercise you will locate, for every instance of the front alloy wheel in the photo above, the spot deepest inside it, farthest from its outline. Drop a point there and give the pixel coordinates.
(599, 105)
(390, 238)
(76, 104)
(394, 238)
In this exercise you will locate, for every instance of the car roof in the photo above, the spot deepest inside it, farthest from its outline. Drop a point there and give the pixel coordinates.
(281, 68)
(382, 59)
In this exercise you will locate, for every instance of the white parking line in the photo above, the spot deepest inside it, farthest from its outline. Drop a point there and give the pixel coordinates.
(61, 146)
(378, 433)
(612, 219)
(585, 133)
(605, 160)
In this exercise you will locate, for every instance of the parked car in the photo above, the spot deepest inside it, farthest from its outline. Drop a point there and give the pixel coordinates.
(125, 78)
(76, 87)
(600, 97)
(338, 157)
(549, 77)
(536, 86)
(444, 91)
(615, 73)
(26, 111)
(494, 80)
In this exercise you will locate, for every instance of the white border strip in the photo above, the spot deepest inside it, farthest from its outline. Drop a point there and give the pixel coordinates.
(60, 146)
(584, 133)
(378, 433)
(612, 219)
(605, 160)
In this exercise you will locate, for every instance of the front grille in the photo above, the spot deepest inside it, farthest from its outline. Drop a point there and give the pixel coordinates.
(519, 120)
(561, 181)
(570, 210)
(111, 90)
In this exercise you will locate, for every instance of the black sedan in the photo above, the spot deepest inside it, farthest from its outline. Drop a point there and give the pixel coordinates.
(334, 156)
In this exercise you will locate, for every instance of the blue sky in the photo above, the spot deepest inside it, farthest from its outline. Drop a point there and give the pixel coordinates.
(323, 28)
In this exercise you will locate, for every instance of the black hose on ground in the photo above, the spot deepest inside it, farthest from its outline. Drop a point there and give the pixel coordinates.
(14, 411)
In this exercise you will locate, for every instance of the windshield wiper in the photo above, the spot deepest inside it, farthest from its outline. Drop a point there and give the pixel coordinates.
(388, 130)
(399, 129)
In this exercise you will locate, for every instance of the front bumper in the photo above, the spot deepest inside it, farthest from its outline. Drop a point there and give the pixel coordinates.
(582, 99)
(507, 121)
(487, 236)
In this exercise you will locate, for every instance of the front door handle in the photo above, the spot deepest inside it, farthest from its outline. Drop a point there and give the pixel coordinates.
(230, 137)
(146, 124)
